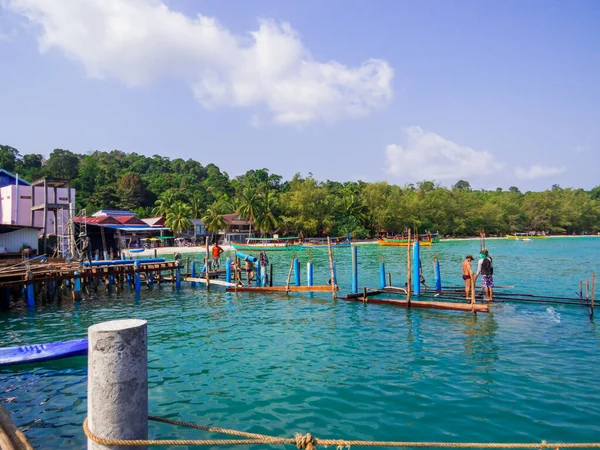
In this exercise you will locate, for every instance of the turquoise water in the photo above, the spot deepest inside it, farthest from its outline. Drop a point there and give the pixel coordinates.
(280, 365)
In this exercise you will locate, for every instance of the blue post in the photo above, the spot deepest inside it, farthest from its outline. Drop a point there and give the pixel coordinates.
(354, 269)
(129, 280)
(438, 277)
(228, 270)
(30, 296)
(178, 276)
(6, 296)
(297, 271)
(416, 268)
(193, 283)
(334, 274)
(77, 285)
(52, 289)
(138, 280)
(382, 275)
(111, 280)
(309, 273)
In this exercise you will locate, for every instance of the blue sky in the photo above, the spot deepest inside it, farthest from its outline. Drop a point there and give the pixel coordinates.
(497, 93)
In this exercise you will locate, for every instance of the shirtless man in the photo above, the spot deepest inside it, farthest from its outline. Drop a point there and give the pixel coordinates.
(467, 273)
(249, 271)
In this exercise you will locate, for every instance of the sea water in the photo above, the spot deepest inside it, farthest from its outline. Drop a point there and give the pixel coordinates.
(278, 364)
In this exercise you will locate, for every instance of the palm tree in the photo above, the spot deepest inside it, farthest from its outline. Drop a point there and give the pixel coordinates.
(213, 220)
(197, 205)
(178, 217)
(248, 206)
(267, 217)
(164, 203)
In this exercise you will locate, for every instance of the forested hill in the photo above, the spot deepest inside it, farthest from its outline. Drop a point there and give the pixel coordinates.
(188, 189)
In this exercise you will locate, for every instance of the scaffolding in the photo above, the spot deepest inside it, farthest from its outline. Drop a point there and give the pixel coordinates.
(70, 231)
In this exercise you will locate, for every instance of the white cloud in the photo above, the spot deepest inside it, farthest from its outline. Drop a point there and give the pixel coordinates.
(427, 155)
(536, 171)
(140, 41)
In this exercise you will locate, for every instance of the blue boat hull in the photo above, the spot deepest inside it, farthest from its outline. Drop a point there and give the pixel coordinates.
(42, 352)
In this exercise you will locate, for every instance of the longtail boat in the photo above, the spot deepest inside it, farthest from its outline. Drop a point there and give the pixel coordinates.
(322, 242)
(525, 236)
(269, 244)
(400, 242)
(42, 352)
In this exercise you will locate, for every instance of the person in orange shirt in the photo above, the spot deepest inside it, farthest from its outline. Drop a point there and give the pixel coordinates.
(216, 252)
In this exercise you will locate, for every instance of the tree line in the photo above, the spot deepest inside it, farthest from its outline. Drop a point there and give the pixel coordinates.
(183, 189)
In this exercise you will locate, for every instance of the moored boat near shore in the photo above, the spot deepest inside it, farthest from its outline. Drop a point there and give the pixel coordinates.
(322, 242)
(269, 244)
(389, 242)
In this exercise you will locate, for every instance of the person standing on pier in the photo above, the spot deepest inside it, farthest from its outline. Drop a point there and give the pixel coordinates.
(467, 273)
(486, 269)
(216, 252)
(86, 250)
(249, 271)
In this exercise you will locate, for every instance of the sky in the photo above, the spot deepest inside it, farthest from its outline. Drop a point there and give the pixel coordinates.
(498, 93)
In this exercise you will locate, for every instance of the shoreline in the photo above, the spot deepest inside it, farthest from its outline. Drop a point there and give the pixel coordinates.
(171, 250)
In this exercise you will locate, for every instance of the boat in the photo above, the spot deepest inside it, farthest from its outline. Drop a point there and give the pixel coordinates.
(434, 238)
(42, 352)
(269, 244)
(136, 250)
(390, 242)
(525, 236)
(322, 242)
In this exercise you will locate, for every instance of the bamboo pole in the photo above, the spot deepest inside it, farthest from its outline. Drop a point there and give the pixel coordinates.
(580, 288)
(333, 285)
(287, 283)
(587, 288)
(408, 271)
(389, 278)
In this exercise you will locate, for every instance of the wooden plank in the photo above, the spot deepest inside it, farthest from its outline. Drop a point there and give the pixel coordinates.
(421, 304)
(362, 294)
(212, 281)
(280, 289)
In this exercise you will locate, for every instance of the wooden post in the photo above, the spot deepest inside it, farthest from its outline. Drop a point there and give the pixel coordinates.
(289, 277)
(271, 274)
(408, 271)
(587, 288)
(593, 290)
(333, 286)
(580, 288)
(389, 279)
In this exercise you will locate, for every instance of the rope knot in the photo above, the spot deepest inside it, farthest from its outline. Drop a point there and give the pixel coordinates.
(306, 442)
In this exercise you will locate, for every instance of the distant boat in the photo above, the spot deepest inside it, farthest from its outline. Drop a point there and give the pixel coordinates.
(322, 242)
(525, 236)
(269, 244)
(42, 352)
(390, 242)
(434, 238)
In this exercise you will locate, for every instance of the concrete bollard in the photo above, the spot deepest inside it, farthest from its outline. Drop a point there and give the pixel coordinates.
(118, 381)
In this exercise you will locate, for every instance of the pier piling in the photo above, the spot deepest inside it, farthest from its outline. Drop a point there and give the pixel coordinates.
(309, 273)
(354, 269)
(381, 274)
(297, 272)
(438, 274)
(118, 381)
(416, 267)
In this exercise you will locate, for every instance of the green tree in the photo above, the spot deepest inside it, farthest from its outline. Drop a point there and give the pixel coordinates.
(62, 164)
(178, 218)
(248, 206)
(213, 220)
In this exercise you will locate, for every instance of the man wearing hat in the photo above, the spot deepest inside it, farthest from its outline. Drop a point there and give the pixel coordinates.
(485, 268)
(86, 250)
(467, 273)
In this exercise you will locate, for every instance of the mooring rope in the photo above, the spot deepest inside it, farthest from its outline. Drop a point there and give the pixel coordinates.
(309, 442)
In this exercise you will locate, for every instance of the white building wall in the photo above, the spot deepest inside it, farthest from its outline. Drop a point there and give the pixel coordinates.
(14, 241)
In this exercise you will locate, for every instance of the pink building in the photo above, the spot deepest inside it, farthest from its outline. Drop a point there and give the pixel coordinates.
(44, 205)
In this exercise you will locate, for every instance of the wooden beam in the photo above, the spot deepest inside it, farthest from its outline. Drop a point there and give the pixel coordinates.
(363, 294)
(281, 289)
(466, 307)
(212, 281)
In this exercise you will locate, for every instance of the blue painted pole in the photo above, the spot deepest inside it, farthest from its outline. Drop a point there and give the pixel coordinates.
(416, 268)
(381, 275)
(178, 276)
(52, 289)
(354, 270)
(30, 296)
(228, 270)
(111, 280)
(309, 273)
(138, 279)
(334, 274)
(77, 285)
(193, 283)
(438, 277)
(297, 271)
